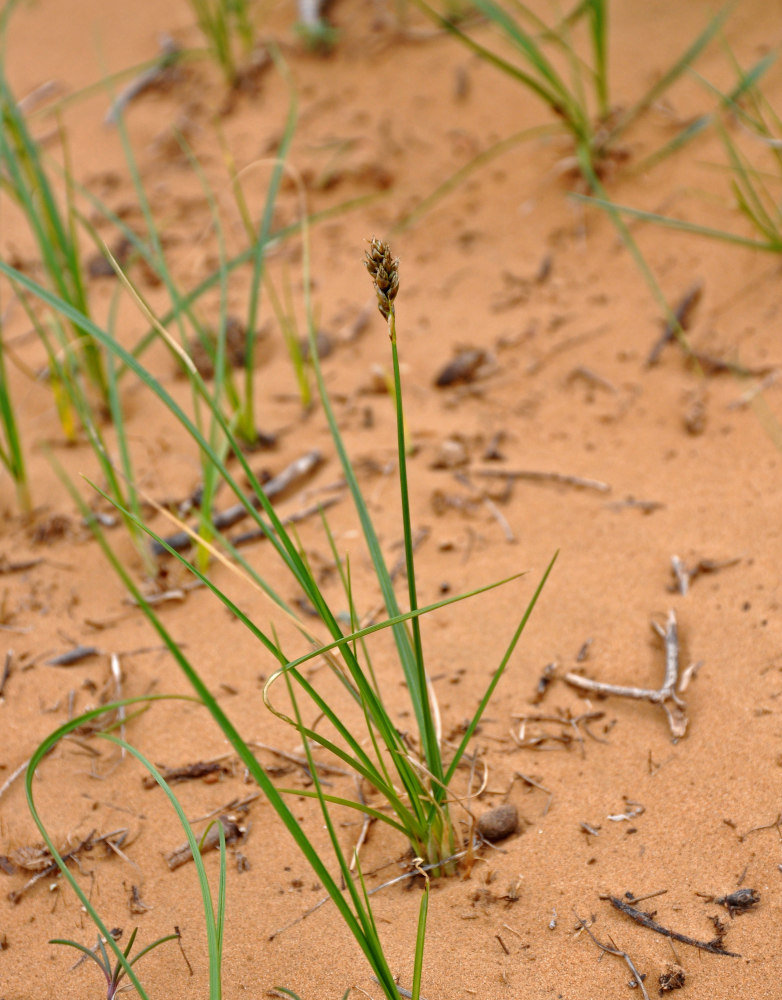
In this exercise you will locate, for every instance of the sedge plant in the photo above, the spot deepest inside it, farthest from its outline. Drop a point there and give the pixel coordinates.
(412, 783)
(543, 58)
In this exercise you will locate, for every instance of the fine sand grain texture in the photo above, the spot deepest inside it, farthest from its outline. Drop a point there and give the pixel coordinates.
(660, 485)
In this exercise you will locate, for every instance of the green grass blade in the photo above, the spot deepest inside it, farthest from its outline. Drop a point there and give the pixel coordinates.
(89, 952)
(768, 246)
(666, 81)
(247, 422)
(420, 939)
(498, 674)
(212, 938)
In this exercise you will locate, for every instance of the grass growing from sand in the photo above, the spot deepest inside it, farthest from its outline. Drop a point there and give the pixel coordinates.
(412, 783)
(214, 908)
(545, 61)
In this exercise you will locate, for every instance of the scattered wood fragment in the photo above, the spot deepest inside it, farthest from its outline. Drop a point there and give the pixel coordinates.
(583, 653)
(74, 656)
(721, 366)
(136, 904)
(9, 657)
(682, 316)
(666, 696)
(182, 854)
(490, 505)
(13, 776)
(41, 861)
(534, 784)
(684, 575)
(578, 482)
(400, 990)
(294, 518)
(638, 979)
(175, 594)
(466, 367)
(714, 947)
(233, 807)
(151, 77)
(19, 566)
(746, 398)
(40, 95)
(299, 759)
(673, 978)
(544, 682)
(189, 772)
(633, 810)
(645, 506)
(538, 740)
(774, 825)
(297, 470)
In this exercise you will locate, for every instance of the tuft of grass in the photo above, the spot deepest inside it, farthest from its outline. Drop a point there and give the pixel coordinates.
(412, 782)
(578, 96)
(227, 27)
(755, 180)
(26, 181)
(214, 909)
(99, 955)
(421, 810)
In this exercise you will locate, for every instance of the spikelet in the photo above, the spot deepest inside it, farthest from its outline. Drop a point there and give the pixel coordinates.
(384, 270)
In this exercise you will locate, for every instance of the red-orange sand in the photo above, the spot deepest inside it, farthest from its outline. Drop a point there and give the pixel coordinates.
(566, 391)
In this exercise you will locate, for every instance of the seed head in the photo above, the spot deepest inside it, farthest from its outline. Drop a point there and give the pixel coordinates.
(384, 270)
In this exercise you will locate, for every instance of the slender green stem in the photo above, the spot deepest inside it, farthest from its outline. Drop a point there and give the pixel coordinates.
(428, 736)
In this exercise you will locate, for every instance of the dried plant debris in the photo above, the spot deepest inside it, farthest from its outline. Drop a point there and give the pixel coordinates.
(468, 366)
(295, 473)
(538, 737)
(637, 982)
(544, 682)
(683, 575)
(74, 656)
(682, 320)
(673, 978)
(667, 695)
(136, 904)
(205, 353)
(715, 946)
(189, 772)
(739, 901)
(233, 833)
(558, 478)
(37, 859)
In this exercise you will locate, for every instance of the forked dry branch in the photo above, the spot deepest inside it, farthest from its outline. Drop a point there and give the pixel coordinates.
(667, 695)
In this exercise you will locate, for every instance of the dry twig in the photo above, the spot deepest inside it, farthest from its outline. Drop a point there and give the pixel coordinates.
(666, 696)
(613, 950)
(714, 947)
(297, 470)
(561, 479)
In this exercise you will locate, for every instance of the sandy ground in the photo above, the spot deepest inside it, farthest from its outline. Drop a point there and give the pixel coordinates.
(507, 264)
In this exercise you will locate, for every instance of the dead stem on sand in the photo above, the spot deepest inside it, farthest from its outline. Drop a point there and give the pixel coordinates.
(666, 695)
(638, 979)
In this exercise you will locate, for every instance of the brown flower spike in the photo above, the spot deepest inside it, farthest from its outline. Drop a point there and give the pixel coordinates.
(384, 270)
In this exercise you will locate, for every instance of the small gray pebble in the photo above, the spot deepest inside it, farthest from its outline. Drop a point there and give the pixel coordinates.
(499, 823)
